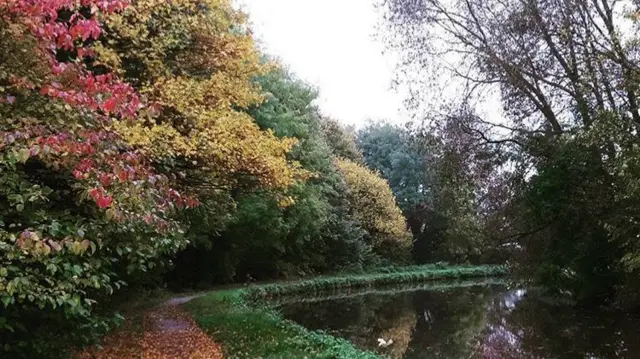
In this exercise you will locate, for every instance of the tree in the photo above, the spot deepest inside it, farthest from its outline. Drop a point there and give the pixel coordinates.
(332, 240)
(405, 162)
(556, 64)
(401, 159)
(341, 140)
(441, 182)
(80, 208)
(566, 76)
(314, 234)
(195, 61)
(373, 205)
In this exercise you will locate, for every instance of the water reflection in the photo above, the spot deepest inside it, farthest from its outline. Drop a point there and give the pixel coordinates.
(482, 321)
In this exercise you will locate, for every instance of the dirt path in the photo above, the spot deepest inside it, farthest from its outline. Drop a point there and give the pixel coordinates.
(165, 332)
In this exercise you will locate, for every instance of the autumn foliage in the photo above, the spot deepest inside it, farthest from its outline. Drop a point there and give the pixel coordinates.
(93, 152)
(77, 200)
(195, 64)
(132, 129)
(374, 206)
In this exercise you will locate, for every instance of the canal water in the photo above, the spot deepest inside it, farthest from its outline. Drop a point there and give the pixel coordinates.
(485, 319)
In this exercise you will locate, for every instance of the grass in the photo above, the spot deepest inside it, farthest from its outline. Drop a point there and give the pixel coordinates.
(412, 274)
(385, 291)
(242, 323)
(246, 331)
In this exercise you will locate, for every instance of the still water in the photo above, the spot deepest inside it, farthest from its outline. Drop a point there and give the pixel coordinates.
(467, 320)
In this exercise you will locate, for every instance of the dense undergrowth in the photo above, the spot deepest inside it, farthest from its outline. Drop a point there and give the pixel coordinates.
(247, 328)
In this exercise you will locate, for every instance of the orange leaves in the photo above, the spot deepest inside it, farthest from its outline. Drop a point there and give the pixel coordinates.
(172, 334)
(167, 333)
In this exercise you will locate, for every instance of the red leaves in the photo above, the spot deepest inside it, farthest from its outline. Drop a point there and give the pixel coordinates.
(65, 42)
(109, 105)
(84, 165)
(89, 90)
(105, 179)
(192, 202)
(122, 176)
(95, 159)
(85, 29)
(122, 101)
(96, 193)
(42, 18)
(102, 200)
(96, 156)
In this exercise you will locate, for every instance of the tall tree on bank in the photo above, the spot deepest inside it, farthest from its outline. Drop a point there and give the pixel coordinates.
(325, 227)
(404, 163)
(341, 140)
(566, 76)
(81, 208)
(373, 205)
(196, 62)
(556, 64)
(438, 185)
(398, 156)
(313, 234)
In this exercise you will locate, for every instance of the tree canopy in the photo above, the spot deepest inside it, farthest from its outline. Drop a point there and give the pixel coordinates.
(561, 146)
(374, 207)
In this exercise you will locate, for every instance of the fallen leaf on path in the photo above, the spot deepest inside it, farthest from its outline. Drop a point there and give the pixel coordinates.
(168, 333)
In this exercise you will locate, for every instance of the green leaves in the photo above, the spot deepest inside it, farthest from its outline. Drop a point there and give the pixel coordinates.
(402, 159)
(6, 300)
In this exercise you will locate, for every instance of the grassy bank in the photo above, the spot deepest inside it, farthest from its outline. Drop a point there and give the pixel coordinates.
(246, 328)
(386, 290)
(386, 276)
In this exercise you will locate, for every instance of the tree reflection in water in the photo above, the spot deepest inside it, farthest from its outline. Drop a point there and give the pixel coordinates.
(486, 321)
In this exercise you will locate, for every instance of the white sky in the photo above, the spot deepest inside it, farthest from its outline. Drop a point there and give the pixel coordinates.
(330, 44)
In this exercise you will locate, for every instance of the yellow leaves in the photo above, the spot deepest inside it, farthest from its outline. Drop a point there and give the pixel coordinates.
(197, 63)
(37, 246)
(79, 247)
(41, 248)
(230, 146)
(286, 201)
(22, 155)
(158, 141)
(194, 97)
(373, 203)
(108, 56)
(242, 148)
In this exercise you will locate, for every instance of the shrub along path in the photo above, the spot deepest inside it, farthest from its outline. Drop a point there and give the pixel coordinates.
(164, 332)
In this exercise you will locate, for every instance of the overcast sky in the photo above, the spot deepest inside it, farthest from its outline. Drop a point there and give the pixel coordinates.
(330, 44)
